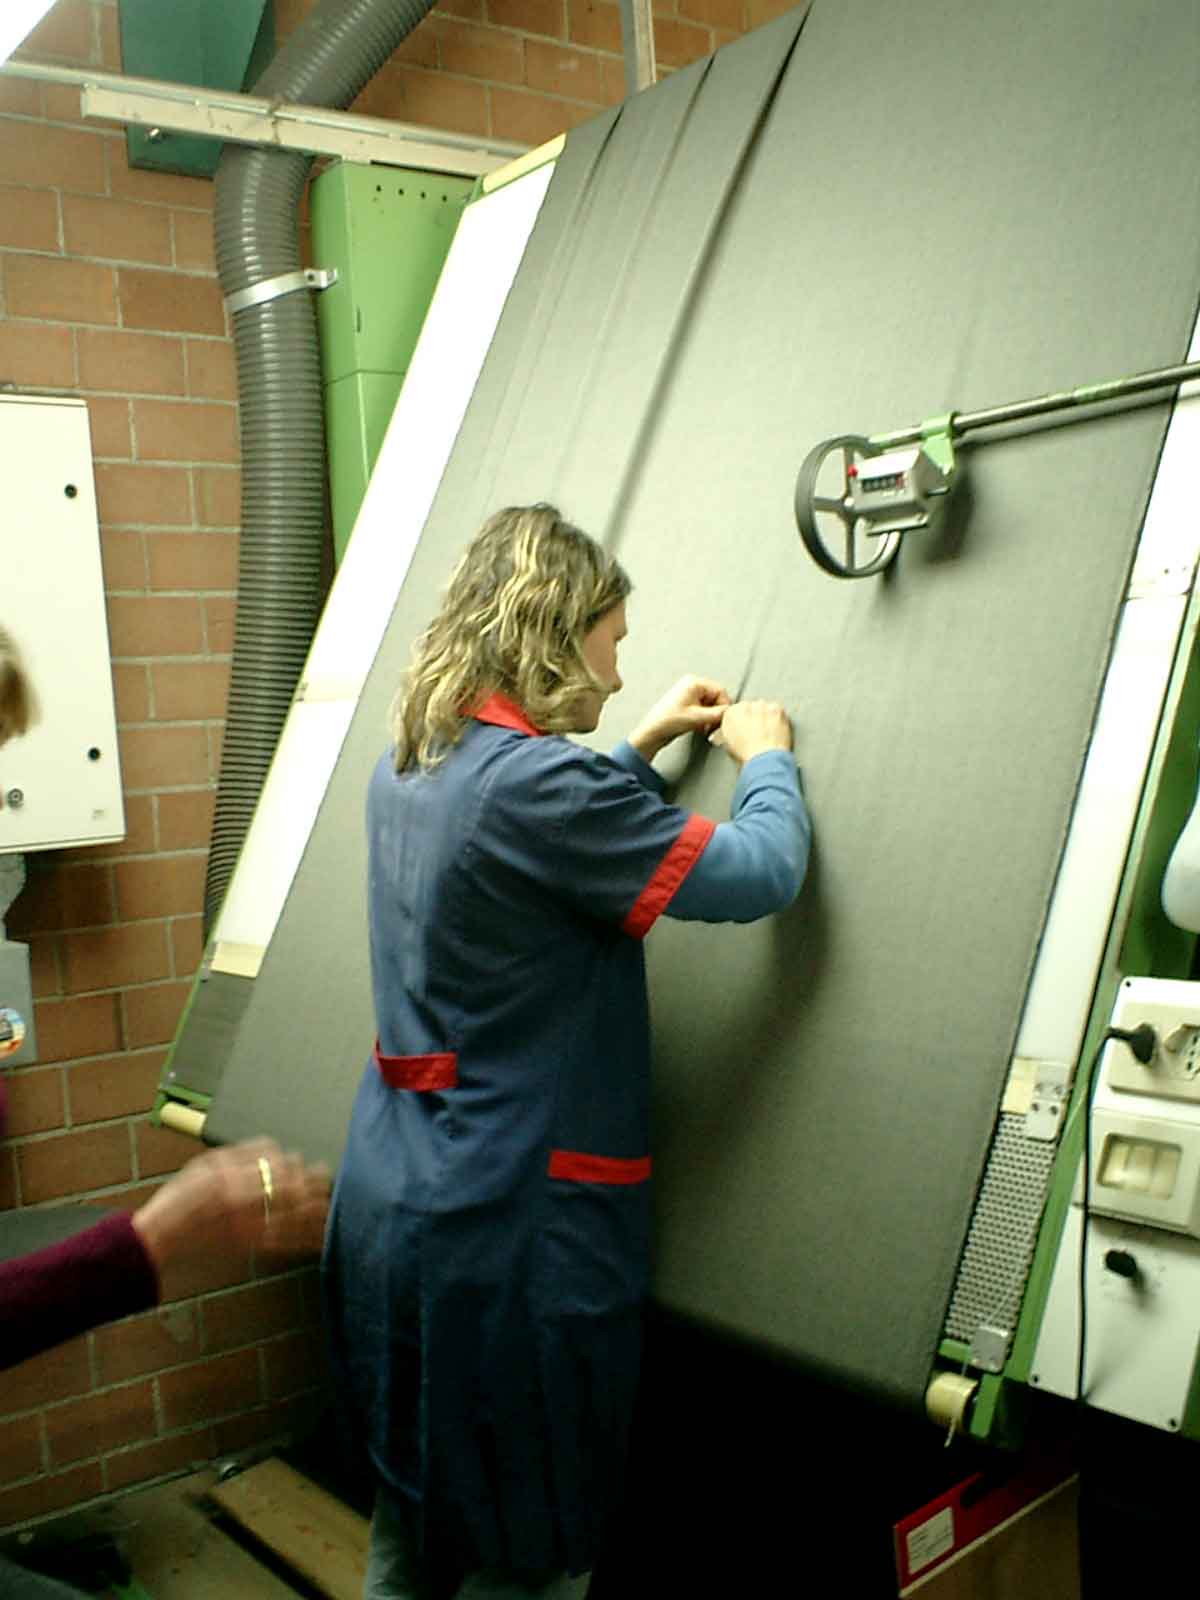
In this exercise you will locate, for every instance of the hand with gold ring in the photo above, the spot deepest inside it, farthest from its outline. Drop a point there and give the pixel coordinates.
(252, 1194)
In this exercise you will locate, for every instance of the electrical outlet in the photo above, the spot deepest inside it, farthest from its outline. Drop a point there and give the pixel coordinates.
(1172, 1008)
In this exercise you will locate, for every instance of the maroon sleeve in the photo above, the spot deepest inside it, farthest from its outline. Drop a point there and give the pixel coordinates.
(53, 1294)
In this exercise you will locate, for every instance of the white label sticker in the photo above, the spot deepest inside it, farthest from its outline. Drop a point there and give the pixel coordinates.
(931, 1540)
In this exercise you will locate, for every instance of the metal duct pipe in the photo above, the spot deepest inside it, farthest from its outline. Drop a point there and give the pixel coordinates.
(327, 62)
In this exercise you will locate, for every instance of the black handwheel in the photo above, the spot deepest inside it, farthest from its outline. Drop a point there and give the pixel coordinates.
(810, 505)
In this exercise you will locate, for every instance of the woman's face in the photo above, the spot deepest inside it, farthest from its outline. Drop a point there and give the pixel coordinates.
(600, 644)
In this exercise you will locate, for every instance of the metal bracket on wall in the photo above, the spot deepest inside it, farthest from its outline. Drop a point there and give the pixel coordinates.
(252, 120)
(989, 1347)
(1043, 1120)
(258, 294)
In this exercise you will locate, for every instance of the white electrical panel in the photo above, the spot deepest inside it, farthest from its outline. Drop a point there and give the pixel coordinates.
(1141, 1263)
(61, 783)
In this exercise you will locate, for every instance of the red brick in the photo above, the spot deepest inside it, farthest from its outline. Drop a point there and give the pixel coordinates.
(156, 625)
(533, 118)
(248, 1315)
(114, 956)
(219, 614)
(8, 1179)
(714, 13)
(152, 1342)
(433, 99)
(185, 430)
(36, 355)
(60, 291)
(295, 1362)
(187, 944)
(190, 691)
(100, 1422)
(109, 421)
(479, 52)
(130, 363)
(182, 1452)
(185, 819)
(216, 748)
(65, 33)
(218, 497)
(212, 369)
(143, 495)
(162, 1150)
(152, 1013)
(460, 8)
(176, 302)
(532, 16)
(62, 104)
(56, 1374)
(559, 70)
(20, 1447)
(70, 1163)
(264, 1425)
(43, 966)
(677, 43)
(28, 218)
(595, 23)
(116, 230)
(161, 886)
(420, 49)
(210, 1389)
(80, 1026)
(164, 757)
(58, 896)
(613, 75)
(195, 246)
(206, 1272)
(19, 99)
(202, 561)
(131, 685)
(154, 188)
(57, 158)
(35, 1103)
(123, 557)
(110, 38)
(40, 1496)
(117, 1086)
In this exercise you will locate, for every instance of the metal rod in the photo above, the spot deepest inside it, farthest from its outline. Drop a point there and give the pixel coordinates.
(637, 34)
(1089, 394)
(314, 129)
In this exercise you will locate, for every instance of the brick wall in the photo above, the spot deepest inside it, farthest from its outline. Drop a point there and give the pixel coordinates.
(108, 290)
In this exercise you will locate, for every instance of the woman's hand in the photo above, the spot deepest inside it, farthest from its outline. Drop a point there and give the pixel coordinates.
(693, 705)
(752, 726)
(249, 1195)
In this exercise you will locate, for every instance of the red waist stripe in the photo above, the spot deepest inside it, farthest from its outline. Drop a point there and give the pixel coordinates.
(418, 1072)
(579, 1168)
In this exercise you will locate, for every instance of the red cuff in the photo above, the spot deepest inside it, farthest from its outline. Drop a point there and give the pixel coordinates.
(670, 873)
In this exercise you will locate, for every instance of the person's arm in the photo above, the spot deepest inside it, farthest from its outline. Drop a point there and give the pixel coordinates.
(244, 1196)
(55, 1293)
(755, 863)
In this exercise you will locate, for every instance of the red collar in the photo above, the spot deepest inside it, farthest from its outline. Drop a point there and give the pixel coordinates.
(504, 713)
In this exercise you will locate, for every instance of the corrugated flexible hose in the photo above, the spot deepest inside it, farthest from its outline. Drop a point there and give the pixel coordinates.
(332, 55)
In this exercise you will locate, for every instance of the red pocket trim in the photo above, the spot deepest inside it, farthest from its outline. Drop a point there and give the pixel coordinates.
(578, 1168)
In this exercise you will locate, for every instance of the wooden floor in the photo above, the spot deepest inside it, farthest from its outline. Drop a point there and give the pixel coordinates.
(182, 1546)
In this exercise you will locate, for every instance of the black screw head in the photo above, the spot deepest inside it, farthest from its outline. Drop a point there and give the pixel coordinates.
(93, 754)
(70, 491)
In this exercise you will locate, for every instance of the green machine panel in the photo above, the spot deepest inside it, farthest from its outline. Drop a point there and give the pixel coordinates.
(214, 44)
(387, 232)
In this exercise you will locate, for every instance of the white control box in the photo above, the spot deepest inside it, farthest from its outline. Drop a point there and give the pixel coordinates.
(61, 783)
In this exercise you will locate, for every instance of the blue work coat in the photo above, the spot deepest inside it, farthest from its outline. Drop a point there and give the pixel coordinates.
(488, 1253)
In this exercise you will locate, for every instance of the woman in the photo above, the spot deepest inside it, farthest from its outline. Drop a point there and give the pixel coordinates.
(488, 1251)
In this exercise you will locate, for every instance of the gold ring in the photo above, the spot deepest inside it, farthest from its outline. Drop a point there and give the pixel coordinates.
(264, 1172)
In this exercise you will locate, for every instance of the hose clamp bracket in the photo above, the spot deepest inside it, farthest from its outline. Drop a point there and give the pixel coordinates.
(259, 294)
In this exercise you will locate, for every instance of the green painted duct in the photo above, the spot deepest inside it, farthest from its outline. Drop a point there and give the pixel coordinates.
(327, 62)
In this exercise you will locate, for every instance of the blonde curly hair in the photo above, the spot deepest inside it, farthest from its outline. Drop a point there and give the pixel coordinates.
(18, 704)
(528, 588)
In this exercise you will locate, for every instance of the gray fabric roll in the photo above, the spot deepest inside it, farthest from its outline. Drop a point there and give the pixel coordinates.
(896, 211)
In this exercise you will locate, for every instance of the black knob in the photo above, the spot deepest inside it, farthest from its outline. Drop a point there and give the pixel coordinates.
(1122, 1263)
